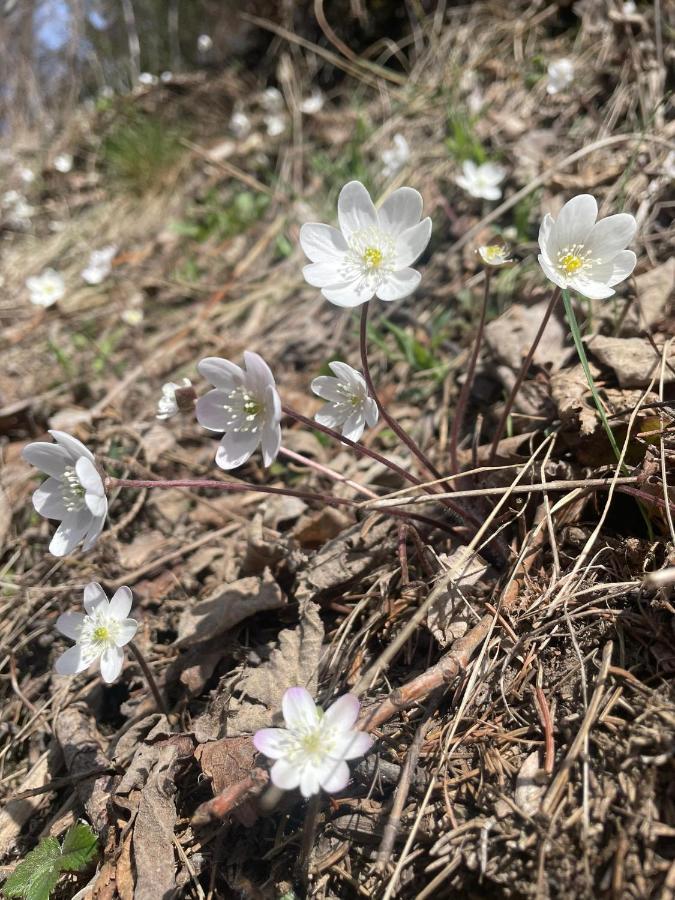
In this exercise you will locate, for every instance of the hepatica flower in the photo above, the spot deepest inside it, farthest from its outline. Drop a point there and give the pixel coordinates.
(372, 252)
(311, 751)
(349, 406)
(73, 493)
(245, 405)
(494, 254)
(560, 75)
(45, 289)
(481, 181)
(175, 398)
(588, 256)
(99, 635)
(99, 265)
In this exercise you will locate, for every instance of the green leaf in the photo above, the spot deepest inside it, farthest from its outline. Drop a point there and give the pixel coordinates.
(80, 846)
(35, 878)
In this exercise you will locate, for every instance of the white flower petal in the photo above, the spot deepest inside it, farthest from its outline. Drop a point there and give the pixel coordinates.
(545, 234)
(126, 631)
(412, 243)
(344, 712)
(95, 599)
(71, 662)
(351, 745)
(273, 742)
(70, 624)
(120, 603)
(111, 663)
(550, 272)
(326, 387)
(323, 274)
(270, 442)
(588, 287)
(93, 531)
(354, 426)
(322, 243)
(328, 417)
(48, 501)
(285, 775)
(97, 506)
(235, 448)
(401, 210)
(210, 410)
(355, 209)
(371, 412)
(89, 477)
(399, 285)
(345, 374)
(75, 448)
(258, 374)
(622, 266)
(574, 223)
(334, 776)
(611, 235)
(221, 373)
(70, 532)
(309, 781)
(299, 708)
(347, 295)
(48, 458)
(490, 192)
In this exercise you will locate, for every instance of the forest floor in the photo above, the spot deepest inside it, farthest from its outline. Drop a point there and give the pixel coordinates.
(517, 678)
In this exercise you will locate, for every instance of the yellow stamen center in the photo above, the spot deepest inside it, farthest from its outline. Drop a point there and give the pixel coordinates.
(312, 742)
(493, 252)
(101, 633)
(372, 257)
(571, 263)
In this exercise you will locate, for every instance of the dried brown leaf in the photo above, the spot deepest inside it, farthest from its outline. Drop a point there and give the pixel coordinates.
(634, 360)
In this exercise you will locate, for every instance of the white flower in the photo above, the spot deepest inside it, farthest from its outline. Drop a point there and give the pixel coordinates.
(168, 404)
(147, 78)
(45, 289)
(26, 175)
(494, 254)
(240, 124)
(310, 752)
(99, 265)
(394, 158)
(272, 100)
(275, 125)
(63, 163)
(166, 77)
(629, 8)
(481, 181)
(11, 198)
(372, 252)
(560, 75)
(580, 253)
(73, 493)
(245, 406)
(313, 104)
(349, 405)
(204, 43)
(132, 315)
(99, 635)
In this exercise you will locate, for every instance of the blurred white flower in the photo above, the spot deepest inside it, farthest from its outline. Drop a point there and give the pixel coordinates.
(373, 251)
(629, 8)
(19, 210)
(240, 124)
(204, 43)
(272, 100)
(349, 406)
(45, 289)
(26, 175)
(63, 163)
(10, 198)
(99, 265)
(311, 751)
(166, 77)
(560, 75)
(481, 181)
(313, 104)
(245, 405)
(147, 78)
(73, 493)
(132, 315)
(494, 254)
(394, 158)
(578, 252)
(174, 398)
(275, 125)
(99, 635)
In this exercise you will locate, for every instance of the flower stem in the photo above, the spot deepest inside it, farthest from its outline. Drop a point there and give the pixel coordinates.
(468, 383)
(325, 470)
(150, 678)
(524, 369)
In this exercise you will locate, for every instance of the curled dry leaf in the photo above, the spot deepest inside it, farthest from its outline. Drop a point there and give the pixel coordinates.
(570, 393)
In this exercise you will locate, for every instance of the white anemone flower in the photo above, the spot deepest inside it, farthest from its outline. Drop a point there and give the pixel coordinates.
(395, 157)
(45, 289)
(373, 251)
(26, 175)
(99, 635)
(275, 125)
(204, 43)
(99, 265)
(147, 78)
(73, 493)
(588, 256)
(240, 124)
(349, 406)
(170, 402)
(272, 100)
(313, 104)
(245, 405)
(133, 316)
(494, 254)
(311, 751)
(560, 75)
(63, 163)
(166, 77)
(481, 181)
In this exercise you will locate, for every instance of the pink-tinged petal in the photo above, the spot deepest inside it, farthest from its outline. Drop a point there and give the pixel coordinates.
(309, 782)
(111, 663)
(95, 599)
(71, 445)
(97, 506)
(48, 458)
(235, 448)
(89, 477)
(611, 235)
(323, 274)
(273, 742)
(210, 410)
(352, 745)
(355, 209)
(126, 632)
(71, 662)
(344, 712)
(574, 223)
(221, 373)
(371, 412)
(334, 776)
(348, 295)
(412, 243)
(48, 501)
(594, 290)
(401, 210)
(400, 284)
(322, 243)
(299, 708)
(93, 531)
(622, 266)
(354, 426)
(258, 374)
(285, 775)
(70, 532)
(270, 442)
(120, 603)
(550, 272)
(70, 624)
